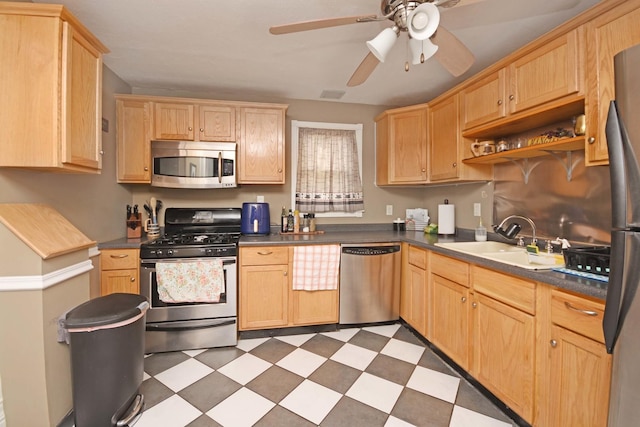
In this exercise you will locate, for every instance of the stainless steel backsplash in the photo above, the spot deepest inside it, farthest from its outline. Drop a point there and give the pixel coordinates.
(578, 210)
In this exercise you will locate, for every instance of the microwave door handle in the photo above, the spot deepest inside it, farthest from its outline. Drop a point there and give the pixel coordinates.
(220, 167)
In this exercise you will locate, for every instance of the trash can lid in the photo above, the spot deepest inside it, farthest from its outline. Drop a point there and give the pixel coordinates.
(105, 310)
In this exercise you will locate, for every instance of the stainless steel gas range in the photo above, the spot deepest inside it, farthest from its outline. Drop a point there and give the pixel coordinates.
(189, 276)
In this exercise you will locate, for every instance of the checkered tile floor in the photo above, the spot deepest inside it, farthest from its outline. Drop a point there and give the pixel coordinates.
(371, 376)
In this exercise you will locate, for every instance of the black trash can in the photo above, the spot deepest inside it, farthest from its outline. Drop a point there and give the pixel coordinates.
(106, 336)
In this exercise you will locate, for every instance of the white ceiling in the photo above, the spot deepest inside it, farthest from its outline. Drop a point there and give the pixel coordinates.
(224, 48)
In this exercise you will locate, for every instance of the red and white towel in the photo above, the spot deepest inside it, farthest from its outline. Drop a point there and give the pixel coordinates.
(316, 267)
(190, 281)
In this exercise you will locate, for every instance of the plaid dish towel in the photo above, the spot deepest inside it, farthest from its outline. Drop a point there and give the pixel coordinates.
(316, 267)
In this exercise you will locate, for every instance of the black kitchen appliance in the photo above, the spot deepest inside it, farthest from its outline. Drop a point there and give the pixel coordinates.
(622, 311)
(192, 235)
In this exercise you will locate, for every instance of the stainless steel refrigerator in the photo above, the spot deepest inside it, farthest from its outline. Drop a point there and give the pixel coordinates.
(622, 313)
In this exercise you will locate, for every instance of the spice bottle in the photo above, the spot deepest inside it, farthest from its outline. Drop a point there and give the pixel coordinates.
(312, 222)
(290, 222)
(283, 221)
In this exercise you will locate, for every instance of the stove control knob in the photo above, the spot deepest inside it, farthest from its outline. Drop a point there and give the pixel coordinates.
(170, 252)
(159, 253)
(208, 251)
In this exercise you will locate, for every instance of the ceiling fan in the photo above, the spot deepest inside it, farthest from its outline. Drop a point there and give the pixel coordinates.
(419, 18)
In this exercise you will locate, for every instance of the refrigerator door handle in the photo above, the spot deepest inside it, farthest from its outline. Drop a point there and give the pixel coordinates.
(615, 148)
(611, 316)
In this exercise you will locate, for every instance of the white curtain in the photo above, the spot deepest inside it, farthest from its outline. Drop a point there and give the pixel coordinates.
(328, 175)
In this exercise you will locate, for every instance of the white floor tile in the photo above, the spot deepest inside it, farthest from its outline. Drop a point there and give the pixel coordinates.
(301, 362)
(354, 356)
(145, 376)
(183, 374)
(242, 408)
(385, 330)
(343, 335)
(174, 411)
(436, 384)
(296, 340)
(463, 417)
(250, 344)
(396, 422)
(403, 350)
(245, 368)
(311, 401)
(375, 392)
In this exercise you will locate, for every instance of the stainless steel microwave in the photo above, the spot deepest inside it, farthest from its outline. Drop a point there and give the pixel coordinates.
(190, 164)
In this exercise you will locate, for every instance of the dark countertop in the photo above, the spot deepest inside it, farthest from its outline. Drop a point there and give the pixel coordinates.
(381, 233)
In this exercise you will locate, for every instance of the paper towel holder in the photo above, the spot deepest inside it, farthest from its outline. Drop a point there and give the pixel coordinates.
(447, 228)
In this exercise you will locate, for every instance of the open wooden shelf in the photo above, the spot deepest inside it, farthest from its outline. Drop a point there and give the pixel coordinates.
(538, 150)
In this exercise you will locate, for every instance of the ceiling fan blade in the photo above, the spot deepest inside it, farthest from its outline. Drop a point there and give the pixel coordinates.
(320, 23)
(364, 70)
(452, 53)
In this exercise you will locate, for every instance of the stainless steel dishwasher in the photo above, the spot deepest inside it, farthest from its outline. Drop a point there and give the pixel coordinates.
(369, 283)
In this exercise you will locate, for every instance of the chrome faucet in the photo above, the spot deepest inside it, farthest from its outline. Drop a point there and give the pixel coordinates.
(513, 229)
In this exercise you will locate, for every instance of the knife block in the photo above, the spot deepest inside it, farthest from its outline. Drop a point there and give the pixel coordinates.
(134, 227)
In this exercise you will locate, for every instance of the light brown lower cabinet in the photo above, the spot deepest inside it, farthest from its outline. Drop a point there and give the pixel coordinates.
(539, 349)
(119, 271)
(413, 289)
(267, 299)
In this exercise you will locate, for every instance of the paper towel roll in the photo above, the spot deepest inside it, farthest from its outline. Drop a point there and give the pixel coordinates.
(446, 219)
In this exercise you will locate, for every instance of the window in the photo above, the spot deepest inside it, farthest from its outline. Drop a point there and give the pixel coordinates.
(327, 168)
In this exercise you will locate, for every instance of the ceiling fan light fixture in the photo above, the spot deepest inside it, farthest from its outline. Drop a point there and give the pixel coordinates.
(423, 21)
(421, 50)
(381, 45)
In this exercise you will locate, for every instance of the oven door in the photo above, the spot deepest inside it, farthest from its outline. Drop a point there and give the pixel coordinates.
(161, 311)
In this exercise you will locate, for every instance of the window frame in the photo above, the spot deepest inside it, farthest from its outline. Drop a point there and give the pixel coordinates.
(295, 126)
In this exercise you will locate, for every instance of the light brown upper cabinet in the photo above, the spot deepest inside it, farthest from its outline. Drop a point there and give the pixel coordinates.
(551, 73)
(134, 140)
(607, 35)
(401, 146)
(261, 145)
(51, 90)
(194, 122)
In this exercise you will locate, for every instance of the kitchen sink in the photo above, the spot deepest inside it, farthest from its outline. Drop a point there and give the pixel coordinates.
(501, 252)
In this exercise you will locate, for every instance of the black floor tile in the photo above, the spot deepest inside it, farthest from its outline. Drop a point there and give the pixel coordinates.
(351, 413)
(275, 383)
(207, 392)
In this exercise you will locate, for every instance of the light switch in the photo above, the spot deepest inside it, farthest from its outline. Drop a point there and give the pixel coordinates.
(389, 209)
(260, 199)
(476, 209)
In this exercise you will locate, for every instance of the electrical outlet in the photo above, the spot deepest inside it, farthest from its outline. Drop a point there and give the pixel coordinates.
(389, 209)
(476, 209)
(260, 199)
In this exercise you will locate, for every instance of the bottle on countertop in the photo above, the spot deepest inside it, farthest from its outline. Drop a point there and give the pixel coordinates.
(312, 222)
(296, 221)
(290, 222)
(283, 221)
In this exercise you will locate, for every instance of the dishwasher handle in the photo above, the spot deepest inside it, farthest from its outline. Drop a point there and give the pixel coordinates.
(370, 250)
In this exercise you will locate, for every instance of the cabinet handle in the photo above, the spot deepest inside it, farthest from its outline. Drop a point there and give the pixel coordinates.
(265, 253)
(511, 97)
(463, 299)
(587, 312)
(279, 170)
(591, 140)
(285, 273)
(553, 343)
(474, 305)
(146, 169)
(101, 152)
(424, 170)
(119, 256)
(201, 130)
(455, 164)
(133, 279)
(499, 101)
(189, 128)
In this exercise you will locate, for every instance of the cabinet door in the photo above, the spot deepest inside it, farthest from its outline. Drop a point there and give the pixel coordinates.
(173, 121)
(217, 123)
(504, 353)
(82, 101)
(607, 35)
(264, 297)
(416, 286)
(134, 141)
(116, 281)
(408, 147)
(315, 307)
(449, 310)
(444, 134)
(549, 73)
(579, 383)
(484, 101)
(261, 146)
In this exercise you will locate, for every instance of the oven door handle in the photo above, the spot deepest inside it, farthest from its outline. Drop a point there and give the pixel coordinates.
(188, 325)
